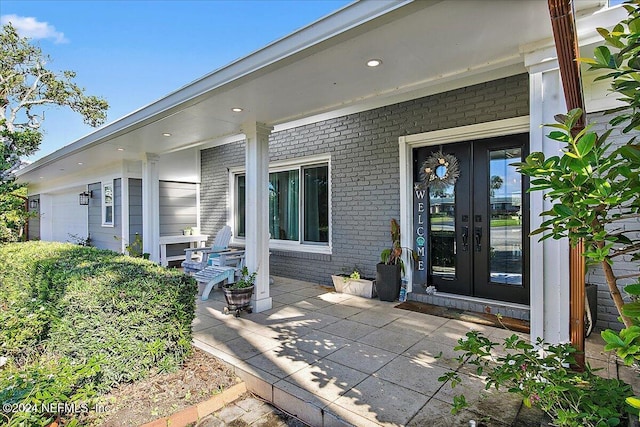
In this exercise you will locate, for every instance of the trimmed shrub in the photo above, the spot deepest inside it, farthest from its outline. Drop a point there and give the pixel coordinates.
(79, 306)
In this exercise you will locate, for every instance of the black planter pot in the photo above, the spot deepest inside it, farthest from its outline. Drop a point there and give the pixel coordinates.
(388, 281)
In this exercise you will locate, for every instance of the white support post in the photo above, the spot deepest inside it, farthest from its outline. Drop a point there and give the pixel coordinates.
(151, 205)
(124, 209)
(257, 210)
(549, 260)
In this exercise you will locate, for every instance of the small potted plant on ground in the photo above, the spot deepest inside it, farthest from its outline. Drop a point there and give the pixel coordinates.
(355, 284)
(238, 294)
(391, 266)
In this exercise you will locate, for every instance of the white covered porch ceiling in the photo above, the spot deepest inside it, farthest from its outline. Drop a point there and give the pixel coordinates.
(425, 47)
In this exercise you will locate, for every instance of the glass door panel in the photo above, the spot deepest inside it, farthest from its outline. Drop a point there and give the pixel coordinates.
(442, 229)
(500, 220)
(447, 263)
(505, 201)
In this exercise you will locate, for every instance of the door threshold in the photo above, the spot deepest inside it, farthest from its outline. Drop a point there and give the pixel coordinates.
(478, 305)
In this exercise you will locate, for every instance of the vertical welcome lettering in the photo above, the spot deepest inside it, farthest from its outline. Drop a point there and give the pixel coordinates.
(419, 234)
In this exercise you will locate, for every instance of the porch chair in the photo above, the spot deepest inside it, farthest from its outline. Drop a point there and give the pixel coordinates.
(230, 268)
(197, 258)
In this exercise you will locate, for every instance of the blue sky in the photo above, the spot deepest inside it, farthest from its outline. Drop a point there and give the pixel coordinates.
(134, 52)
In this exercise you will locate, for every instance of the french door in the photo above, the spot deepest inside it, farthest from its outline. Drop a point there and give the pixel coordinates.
(476, 229)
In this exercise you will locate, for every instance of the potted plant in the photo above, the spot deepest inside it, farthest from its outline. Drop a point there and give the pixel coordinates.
(391, 266)
(355, 284)
(238, 294)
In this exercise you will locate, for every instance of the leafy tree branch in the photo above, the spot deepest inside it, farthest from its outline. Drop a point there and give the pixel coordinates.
(27, 89)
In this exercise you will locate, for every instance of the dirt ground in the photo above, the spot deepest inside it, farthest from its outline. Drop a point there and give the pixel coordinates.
(201, 377)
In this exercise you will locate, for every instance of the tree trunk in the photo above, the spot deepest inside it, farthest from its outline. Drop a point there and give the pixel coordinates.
(614, 291)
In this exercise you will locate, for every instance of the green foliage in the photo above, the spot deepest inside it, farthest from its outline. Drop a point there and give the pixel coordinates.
(13, 212)
(591, 187)
(135, 248)
(393, 255)
(27, 84)
(622, 65)
(27, 87)
(33, 394)
(594, 186)
(246, 280)
(65, 308)
(626, 343)
(540, 375)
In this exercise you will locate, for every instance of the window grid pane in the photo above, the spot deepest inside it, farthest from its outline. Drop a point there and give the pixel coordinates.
(107, 204)
(240, 207)
(284, 203)
(316, 204)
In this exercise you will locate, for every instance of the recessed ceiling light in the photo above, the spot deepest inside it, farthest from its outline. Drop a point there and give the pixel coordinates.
(374, 62)
(120, 149)
(80, 163)
(236, 109)
(166, 134)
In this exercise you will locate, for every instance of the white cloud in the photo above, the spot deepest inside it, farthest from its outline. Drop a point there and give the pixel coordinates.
(30, 27)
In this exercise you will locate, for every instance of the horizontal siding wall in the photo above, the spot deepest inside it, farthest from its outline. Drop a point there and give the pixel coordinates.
(135, 209)
(105, 237)
(607, 312)
(178, 210)
(365, 171)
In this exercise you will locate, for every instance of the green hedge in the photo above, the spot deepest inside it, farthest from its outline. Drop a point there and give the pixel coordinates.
(94, 317)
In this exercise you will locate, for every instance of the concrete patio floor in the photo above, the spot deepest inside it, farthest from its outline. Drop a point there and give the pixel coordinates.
(333, 359)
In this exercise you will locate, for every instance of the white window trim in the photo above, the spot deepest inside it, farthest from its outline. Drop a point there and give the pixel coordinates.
(279, 166)
(103, 205)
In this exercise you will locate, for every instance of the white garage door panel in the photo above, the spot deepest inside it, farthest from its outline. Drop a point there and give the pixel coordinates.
(68, 217)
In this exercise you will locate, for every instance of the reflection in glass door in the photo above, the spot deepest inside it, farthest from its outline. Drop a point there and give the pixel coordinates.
(500, 214)
(442, 228)
(505, 233)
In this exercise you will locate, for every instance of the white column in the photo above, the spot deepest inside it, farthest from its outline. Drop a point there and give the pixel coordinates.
(257, 210)
(549, 260)
(124, 208)
(151, 205)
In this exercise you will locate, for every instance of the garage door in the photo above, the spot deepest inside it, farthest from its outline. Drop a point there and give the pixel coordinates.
(68, 217)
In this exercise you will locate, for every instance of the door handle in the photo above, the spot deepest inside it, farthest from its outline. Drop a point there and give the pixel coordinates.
(478, 237)
(465, 238)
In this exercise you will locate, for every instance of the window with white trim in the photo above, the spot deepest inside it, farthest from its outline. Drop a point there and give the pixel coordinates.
(107, 204)
(298, 204)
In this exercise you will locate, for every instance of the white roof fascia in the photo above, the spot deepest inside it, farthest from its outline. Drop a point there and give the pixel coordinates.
(587, 34)
(334, 24)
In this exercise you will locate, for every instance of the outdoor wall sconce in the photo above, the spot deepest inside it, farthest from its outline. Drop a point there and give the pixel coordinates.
(84, 197)
(33, 203)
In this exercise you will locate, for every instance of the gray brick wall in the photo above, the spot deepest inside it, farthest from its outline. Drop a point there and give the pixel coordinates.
(607, 312)
(214, 188)
(364, 169)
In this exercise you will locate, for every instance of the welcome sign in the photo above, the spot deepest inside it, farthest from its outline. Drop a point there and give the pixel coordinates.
(420, 206)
